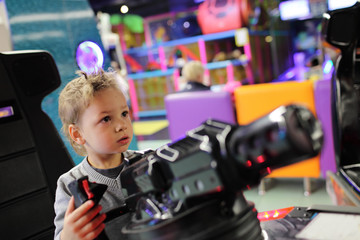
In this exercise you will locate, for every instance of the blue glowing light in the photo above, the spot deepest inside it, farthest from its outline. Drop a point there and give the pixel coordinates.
(290, 75)
(328, 67)
(89, 56)
(149, 212)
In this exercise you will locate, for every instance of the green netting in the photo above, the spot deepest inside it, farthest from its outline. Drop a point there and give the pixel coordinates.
(115, 19)
(134, 23)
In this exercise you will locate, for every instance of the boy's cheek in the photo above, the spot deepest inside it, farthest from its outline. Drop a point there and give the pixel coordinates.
(131, 137)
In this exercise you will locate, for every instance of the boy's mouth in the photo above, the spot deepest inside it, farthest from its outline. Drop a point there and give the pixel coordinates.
(123, 140)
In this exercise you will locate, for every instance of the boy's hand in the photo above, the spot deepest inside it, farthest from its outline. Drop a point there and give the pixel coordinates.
(82, 223)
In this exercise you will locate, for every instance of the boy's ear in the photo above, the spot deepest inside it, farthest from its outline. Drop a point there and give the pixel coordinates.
(75, 134)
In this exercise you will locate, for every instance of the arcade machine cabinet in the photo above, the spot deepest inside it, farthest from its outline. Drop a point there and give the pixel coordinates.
(32, 155)
(342, 30)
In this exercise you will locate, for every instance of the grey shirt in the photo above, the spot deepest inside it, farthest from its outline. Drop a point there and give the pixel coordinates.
(112, 198)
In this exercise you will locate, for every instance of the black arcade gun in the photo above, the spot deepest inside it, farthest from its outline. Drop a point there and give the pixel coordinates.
(32, 154)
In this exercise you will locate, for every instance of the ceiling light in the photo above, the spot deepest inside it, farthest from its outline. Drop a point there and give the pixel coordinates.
(124, 9)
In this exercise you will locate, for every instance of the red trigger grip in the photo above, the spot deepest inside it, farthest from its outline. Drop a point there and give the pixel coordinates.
(85, 185)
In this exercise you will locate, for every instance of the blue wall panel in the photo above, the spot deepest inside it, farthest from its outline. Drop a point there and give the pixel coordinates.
(57, 26)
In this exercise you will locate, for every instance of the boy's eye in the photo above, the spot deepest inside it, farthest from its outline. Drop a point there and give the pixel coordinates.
(106, 119)
(125, 113)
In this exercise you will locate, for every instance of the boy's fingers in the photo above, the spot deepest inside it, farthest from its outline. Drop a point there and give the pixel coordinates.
(96, 232)
(82, 210)
(86, 217)
(71, 206)
(89, 215)
(94, 225)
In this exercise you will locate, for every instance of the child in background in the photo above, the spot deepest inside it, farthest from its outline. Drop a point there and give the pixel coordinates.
(193, 75)
(96, 121)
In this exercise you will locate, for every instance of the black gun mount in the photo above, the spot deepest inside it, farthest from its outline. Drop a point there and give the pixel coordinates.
(192, 188)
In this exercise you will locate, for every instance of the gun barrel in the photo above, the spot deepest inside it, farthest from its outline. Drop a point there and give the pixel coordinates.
(287, 135)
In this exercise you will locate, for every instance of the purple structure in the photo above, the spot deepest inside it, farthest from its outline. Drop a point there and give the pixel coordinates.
(186, 111)
(322, 94)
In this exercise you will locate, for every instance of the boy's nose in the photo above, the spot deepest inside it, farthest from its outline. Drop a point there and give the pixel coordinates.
(120, 126)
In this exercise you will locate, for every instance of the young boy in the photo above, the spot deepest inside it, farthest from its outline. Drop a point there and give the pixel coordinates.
(96, 121)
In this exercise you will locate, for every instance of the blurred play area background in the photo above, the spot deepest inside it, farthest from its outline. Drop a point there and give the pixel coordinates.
(240, 43)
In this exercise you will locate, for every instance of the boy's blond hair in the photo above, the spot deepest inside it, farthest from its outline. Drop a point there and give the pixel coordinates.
(193, 71)
(77, 95)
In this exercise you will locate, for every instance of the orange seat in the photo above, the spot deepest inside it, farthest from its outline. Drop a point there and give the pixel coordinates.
(254, 101)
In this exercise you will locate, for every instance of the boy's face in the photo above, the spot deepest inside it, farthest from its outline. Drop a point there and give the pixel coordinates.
(105, 125)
